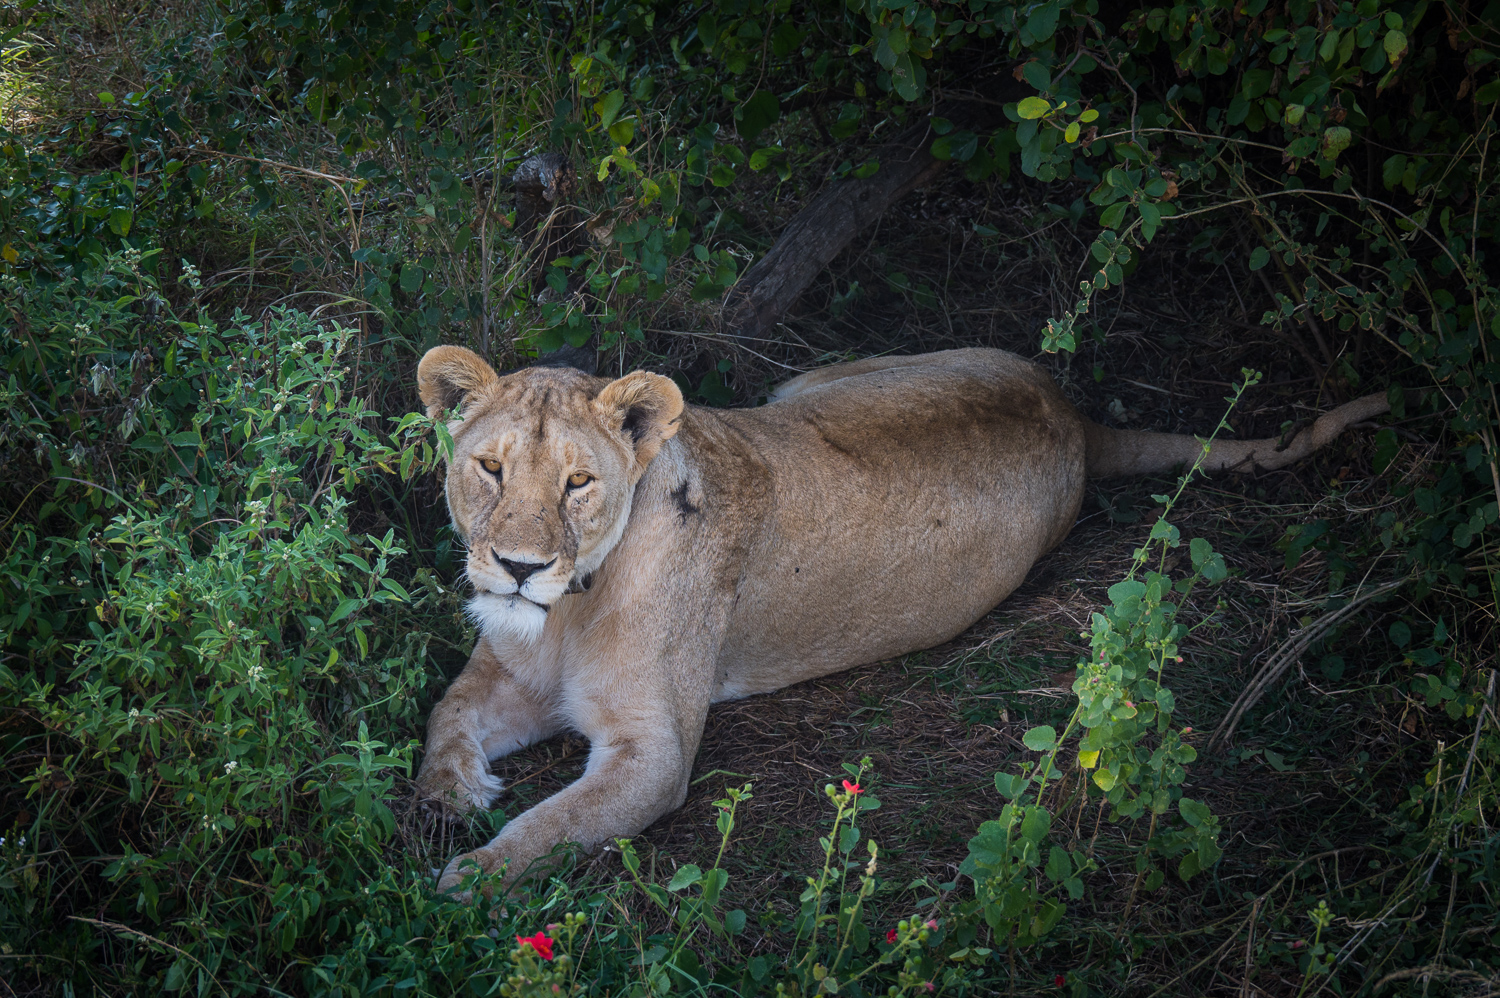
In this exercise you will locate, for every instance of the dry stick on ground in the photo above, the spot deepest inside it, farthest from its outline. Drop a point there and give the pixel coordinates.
(1290, 651)
(1250, 950)
(820, 231)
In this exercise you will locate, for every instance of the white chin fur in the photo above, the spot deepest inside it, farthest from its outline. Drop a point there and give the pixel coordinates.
(508, 617)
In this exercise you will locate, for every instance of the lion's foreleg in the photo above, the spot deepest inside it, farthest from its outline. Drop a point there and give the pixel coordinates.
(485, 714)
(627, 785)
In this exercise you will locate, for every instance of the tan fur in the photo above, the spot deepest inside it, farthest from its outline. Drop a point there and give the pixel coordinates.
(873, 509)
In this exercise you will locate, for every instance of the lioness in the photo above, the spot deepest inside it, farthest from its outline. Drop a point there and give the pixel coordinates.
(635, 560)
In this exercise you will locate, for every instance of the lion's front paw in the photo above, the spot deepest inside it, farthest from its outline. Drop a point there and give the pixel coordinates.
(454, 790)
(464, 864)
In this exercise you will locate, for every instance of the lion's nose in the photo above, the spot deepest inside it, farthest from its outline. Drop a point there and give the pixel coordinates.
(522, 570)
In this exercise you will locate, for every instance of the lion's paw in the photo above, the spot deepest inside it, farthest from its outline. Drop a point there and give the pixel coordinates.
(479, 861)
(453, 793)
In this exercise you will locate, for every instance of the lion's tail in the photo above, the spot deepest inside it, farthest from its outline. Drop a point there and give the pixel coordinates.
(1132, 452)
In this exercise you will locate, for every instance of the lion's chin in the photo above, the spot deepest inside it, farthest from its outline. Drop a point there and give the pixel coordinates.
(513, 616)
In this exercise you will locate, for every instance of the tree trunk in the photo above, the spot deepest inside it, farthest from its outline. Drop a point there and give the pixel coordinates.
(820, 231)
(545, 216)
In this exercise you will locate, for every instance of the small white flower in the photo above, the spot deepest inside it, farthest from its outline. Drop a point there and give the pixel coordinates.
(135, 712)
(230, 767)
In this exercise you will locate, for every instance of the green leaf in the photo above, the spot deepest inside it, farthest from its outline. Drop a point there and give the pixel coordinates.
(867, 169)
(1400, 634)
(734, 922)
(1040, 739)
(1127, 593)
(1394, 45)
(722, 175)
(1059, 865)
(105, 97)
(343, 610)
(1194, 813)
(1335, 141)
(1112, 216)
(621, 132)
(609, 107)
(1488, 94)
(1043, 21)
(411, 278)
(119, 221)
(1208, 851)
(959, 145)
(758, 113)
(904, 78)
(713, 884)
(1045, 921)
(1259, 257)
(762, 158)
(1009, 785)
(1037, 75)
(686, 876)
(1035, 825)
(1150, 218)
(1032, 107)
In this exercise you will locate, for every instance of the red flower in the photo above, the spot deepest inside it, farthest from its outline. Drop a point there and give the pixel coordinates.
(538, 942)
(1059, 980)
(852, 788)
(890, 937)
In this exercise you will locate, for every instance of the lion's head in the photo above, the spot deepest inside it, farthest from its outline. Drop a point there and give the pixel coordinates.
(544, 467)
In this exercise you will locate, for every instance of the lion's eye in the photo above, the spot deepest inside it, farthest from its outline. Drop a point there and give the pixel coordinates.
(491, 465)
(578, 480)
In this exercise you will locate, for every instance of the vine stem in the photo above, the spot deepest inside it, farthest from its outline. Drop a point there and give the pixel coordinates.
(1140, 875)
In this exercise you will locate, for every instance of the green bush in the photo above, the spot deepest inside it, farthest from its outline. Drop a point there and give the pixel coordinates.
(192, 630)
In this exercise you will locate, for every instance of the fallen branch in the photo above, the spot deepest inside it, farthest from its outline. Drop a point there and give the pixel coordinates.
(1289, 653)
(820, 231)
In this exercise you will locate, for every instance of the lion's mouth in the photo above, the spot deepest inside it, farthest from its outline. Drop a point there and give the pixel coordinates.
(517, 596)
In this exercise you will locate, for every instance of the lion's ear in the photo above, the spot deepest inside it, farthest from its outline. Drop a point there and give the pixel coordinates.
(645, 407)
(447, 376)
